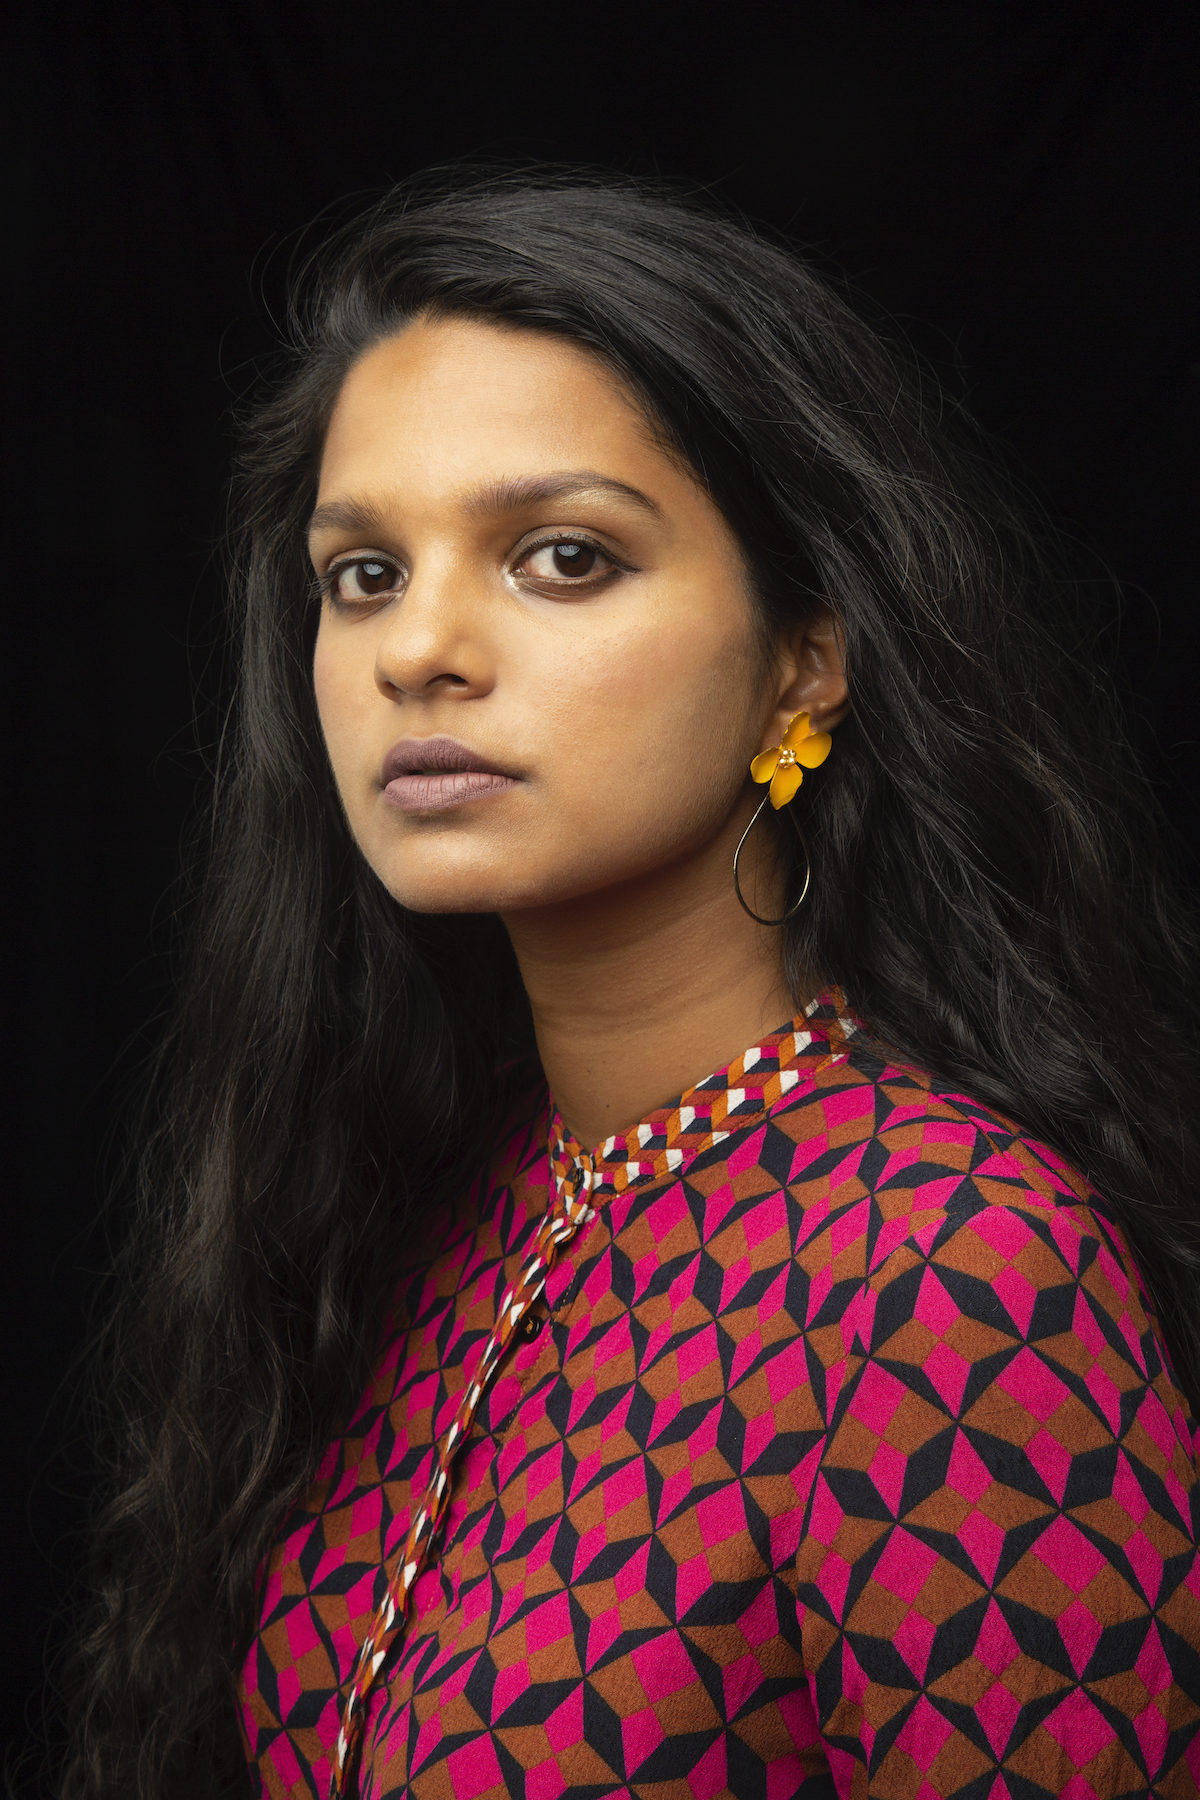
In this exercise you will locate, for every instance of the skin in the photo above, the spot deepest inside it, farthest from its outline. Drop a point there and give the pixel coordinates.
(626, 704)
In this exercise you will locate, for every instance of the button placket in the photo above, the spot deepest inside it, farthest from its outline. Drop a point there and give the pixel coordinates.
(566, 1211)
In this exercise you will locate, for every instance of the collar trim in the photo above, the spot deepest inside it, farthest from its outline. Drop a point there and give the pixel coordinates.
(709, 1112)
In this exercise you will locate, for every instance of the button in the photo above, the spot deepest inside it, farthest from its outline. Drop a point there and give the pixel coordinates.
(531, 1326)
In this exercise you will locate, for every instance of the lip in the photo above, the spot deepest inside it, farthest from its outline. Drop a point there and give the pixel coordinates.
(434, 774)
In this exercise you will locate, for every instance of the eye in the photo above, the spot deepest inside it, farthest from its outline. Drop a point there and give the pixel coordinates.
(569, 559)
(362, 578)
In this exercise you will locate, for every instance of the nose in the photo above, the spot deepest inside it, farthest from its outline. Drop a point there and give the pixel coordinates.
(435, 639)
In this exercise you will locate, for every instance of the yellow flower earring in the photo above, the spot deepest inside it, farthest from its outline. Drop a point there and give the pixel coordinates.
(800, 748)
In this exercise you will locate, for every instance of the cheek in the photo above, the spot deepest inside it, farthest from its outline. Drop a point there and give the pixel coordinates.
(676, 651)
(324, 677)
(667, 713)
(334, 686)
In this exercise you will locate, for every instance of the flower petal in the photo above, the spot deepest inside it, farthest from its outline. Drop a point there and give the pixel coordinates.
(797, 731)
(813, 751)
(785, 783)
(764, 766)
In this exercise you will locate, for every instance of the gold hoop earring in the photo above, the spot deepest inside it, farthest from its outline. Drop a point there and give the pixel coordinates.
(737, 886)
(800, 748)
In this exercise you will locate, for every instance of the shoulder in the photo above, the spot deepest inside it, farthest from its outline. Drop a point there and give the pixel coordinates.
(475, 1226)
(894, 1129)
(936, 1208)
(1005, 1460)
(515, 1158)
(902, 1159)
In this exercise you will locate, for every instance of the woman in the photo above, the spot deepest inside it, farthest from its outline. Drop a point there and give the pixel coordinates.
(640, 680)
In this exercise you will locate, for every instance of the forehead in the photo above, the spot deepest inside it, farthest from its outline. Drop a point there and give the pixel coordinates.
(459, 400)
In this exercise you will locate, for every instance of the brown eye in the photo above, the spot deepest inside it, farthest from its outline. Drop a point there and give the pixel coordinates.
(570, 560)
(363, 579)
(574, 559)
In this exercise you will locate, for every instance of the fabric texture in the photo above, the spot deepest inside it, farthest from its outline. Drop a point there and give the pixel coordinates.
(846, 1461)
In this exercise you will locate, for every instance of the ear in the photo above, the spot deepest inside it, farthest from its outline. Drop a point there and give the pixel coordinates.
(809, 675)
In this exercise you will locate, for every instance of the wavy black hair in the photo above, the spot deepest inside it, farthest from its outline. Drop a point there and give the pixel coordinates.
(986, 889)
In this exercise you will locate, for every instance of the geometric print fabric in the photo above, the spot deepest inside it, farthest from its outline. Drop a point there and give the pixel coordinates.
(840, 1456)
(561, 1220)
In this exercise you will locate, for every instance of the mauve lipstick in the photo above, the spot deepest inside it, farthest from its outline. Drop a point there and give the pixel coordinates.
(434, 774)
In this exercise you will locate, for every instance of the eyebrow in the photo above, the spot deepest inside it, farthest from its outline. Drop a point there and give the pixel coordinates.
(346, 515)
(509, 494)
(512, 495)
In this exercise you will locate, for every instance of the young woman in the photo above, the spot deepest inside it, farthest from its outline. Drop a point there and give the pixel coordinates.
(672, 1240)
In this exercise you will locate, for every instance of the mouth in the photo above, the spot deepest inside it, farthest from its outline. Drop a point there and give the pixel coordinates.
(435, 774)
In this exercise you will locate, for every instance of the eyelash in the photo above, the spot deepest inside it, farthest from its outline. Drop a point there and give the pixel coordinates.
(326, 584)
(563, 583)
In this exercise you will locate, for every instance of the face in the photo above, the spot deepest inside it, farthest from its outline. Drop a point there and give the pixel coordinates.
(538, 670)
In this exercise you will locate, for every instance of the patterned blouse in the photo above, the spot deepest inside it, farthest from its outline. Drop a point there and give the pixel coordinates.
(813, 1438)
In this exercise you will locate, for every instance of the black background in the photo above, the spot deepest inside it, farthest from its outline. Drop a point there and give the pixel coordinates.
(1013, 184)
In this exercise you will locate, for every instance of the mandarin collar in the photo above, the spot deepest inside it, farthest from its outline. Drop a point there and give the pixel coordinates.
(671, 1137)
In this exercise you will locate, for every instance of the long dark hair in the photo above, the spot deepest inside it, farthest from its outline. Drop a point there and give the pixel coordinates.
(984, 889)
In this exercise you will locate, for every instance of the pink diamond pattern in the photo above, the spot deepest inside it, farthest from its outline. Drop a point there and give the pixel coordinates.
(846, 1454)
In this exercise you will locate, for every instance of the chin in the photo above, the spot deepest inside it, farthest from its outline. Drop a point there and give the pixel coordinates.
(444, 904)
(484, 892)
(458, 893)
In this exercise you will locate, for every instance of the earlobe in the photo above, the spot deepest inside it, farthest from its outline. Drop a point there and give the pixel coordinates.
(812, 674)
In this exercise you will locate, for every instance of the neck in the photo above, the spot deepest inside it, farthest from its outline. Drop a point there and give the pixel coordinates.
(640, 991)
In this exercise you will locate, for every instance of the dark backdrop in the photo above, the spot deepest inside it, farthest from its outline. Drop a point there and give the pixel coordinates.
(1014, 185)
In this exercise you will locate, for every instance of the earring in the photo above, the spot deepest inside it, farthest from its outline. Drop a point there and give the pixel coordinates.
(782, 766)
(800, 748)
